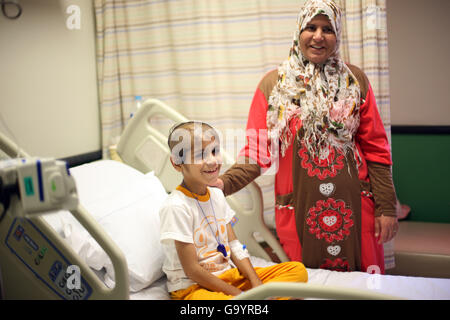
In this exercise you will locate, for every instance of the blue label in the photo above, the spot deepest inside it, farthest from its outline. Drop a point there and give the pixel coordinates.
(30, 242)
(55, 270)
(234, 220)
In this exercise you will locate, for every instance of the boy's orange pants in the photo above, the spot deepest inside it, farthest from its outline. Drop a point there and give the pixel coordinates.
(292, 271)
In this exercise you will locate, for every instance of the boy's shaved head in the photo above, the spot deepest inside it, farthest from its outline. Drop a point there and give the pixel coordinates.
(187, 136)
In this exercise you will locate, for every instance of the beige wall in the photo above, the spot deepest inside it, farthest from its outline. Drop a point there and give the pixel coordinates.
(419, 61)
(48, 88)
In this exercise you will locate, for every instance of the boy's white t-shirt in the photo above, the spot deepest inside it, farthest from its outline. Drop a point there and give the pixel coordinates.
(181, 219)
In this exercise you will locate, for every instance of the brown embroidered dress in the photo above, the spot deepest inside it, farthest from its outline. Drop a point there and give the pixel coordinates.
(336, 204)
(325, 134)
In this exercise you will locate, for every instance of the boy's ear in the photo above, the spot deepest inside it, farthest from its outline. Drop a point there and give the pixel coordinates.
(176, 166)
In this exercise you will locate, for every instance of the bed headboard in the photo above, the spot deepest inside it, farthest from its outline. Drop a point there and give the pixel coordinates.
(145, 148)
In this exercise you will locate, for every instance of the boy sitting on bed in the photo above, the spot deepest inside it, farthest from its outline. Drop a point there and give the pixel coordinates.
(196, 234)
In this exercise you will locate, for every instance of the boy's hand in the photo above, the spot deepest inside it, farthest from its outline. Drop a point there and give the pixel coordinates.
(256, 282)
(235, 292)
(189, 261)
(244, 266)
(218, 184)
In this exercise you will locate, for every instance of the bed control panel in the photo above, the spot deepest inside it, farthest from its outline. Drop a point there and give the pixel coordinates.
(45, 261)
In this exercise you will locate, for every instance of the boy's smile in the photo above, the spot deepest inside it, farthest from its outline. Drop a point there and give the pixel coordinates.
(198, 175)
(212, 172)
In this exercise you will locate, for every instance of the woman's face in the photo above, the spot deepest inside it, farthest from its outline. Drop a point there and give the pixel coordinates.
(318, 40)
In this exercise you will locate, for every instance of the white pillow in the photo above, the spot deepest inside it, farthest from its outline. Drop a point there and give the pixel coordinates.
(126, 203)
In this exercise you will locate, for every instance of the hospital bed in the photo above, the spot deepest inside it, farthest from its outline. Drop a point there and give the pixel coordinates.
(113, 235)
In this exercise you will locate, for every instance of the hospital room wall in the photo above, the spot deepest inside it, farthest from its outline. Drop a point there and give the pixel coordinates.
(48, 87)
(419, 47)
(419, 66)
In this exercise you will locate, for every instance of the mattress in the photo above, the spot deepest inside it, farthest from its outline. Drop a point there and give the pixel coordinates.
(157, 291)
(414, 288)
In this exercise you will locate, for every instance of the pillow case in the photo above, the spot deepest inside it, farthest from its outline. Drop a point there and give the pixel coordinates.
(125, 202)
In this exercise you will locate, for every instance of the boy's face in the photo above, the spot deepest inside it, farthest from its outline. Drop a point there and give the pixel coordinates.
(205, 164)
(201, 161)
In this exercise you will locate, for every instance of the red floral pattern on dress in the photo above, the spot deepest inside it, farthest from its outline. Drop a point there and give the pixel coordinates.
(322, 168)
(336, 265)
(330, 220)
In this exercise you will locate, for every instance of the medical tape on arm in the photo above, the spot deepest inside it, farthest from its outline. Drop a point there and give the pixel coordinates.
(238, 250)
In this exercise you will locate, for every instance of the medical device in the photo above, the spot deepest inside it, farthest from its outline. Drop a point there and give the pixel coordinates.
(41, 185)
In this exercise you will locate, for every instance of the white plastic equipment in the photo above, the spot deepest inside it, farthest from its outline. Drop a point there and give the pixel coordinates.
(42, 184)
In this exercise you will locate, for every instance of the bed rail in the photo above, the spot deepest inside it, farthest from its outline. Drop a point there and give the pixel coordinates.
(307, 290)
(10, 148)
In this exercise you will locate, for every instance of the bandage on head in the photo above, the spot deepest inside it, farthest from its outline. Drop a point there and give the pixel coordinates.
(181, 135)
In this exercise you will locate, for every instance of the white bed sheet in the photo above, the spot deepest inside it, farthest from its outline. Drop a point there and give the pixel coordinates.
(413, 288)
(156, 291)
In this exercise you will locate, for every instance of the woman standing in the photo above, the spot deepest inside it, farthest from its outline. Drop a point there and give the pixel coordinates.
(335, 200)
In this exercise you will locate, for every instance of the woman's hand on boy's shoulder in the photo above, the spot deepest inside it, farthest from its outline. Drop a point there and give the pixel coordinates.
(217, 184)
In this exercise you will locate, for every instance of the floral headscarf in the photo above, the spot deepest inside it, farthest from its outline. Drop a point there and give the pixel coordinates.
(325, 97)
